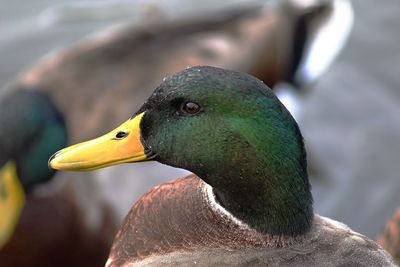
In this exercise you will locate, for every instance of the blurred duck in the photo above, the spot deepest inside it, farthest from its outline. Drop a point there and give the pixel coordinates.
(248, 201)
(318, 33)
(290, 42)
(31, 129)
(122, 65)
(274, 42)
(49, 230)
(390, 238)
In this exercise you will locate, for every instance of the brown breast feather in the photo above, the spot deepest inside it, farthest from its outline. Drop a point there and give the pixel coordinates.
(176, 224)
(177, 216)
(390, 238)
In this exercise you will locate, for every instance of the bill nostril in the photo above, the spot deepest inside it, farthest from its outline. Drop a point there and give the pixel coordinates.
(121, 135)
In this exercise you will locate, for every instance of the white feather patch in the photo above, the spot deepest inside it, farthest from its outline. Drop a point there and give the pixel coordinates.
(215, 206)
(337, 224)
(108, 262)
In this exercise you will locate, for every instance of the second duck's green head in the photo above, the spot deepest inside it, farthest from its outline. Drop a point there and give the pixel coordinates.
(229, 129)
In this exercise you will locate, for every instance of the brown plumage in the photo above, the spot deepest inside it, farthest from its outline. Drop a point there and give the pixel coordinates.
(52, 232)
(390, 238)
(124, 66)
(178, 224)
(260, 179)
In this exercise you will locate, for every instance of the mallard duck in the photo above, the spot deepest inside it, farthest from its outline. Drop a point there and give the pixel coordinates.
(248, 201)
(390, 238)
(48, 228)
(318, 31)
(31, 130)
(124, 65)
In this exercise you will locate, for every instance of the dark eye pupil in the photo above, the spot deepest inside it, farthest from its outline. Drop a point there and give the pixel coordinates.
(191, 108)
(121, 135)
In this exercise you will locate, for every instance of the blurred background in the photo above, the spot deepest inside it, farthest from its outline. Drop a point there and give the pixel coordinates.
(97, 61)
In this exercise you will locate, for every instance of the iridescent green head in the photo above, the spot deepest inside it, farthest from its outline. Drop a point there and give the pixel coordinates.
(232, 131)
(31, 130)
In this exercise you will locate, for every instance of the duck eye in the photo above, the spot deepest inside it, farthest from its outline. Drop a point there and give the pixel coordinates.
(190, 108)
(121, 135)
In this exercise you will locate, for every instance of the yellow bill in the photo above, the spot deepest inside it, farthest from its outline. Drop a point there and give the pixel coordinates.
(121, 145)
(12, 200)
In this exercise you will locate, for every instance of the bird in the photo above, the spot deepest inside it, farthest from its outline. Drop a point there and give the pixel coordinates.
(319, 31)
(271, 42)
(248, 199)
(32, 129)
(390, 238)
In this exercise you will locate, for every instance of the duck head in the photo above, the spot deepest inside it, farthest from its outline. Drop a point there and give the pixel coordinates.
(31, 130)
(226, 127)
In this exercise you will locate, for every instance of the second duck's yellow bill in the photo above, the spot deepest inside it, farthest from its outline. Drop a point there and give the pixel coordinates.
(12, 200)
(121, 145)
